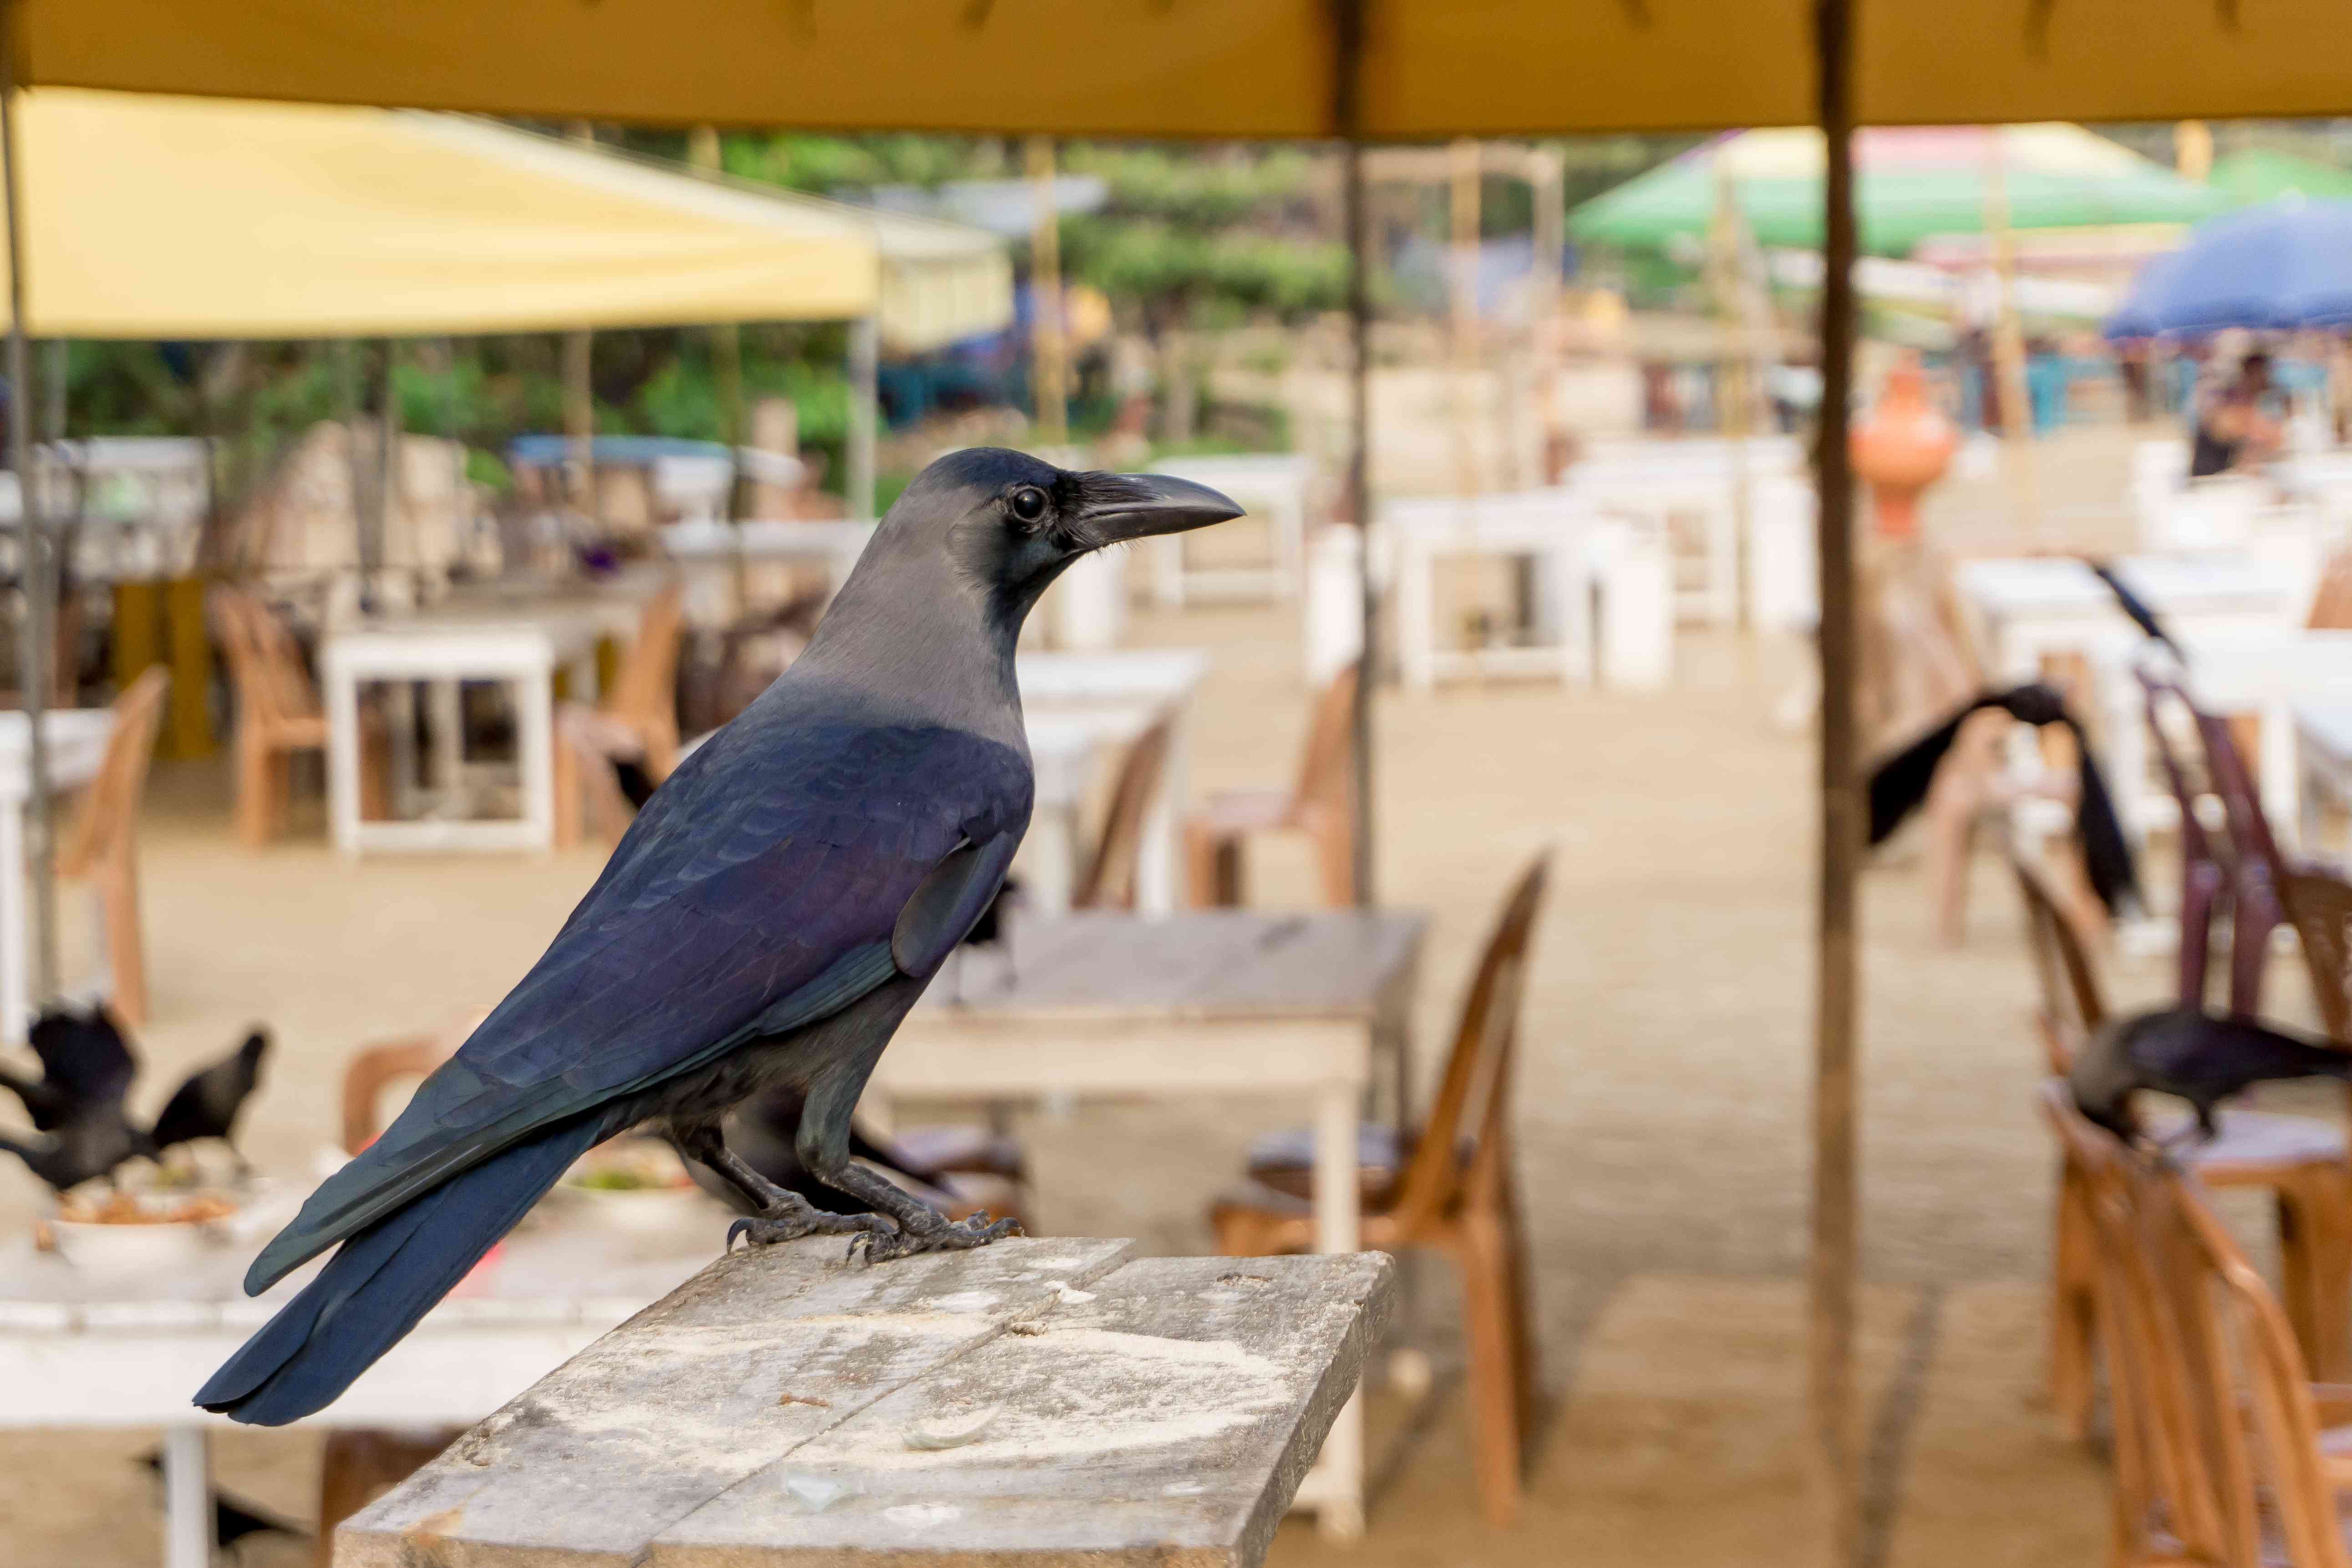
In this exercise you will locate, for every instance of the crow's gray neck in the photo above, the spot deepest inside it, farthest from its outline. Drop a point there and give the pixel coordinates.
(926, 645)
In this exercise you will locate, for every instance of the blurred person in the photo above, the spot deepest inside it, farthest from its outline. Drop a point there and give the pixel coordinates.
(2233, 431)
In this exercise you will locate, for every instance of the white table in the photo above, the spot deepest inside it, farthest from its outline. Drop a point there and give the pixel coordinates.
(711, 553)
(1579, 555)
(2028, 607)
(131, 1350)
(1110, 697)
(76, 746)
(1066, 751)
(1276, 486)
(442, 652)
(2323, 742)
(1207, 1002)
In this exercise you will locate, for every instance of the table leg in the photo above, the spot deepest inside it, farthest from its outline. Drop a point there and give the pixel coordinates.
(1340, 1507)
(344, 758)
(1416, 629)
(15, 1003)
(187, 1499)
(1053, 857)
(400, 717)
(446, 713)
(535, 714)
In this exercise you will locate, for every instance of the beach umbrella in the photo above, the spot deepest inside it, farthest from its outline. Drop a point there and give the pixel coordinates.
(2259, 175)
(1353, 72)
(2280, 266)
(1911, 182)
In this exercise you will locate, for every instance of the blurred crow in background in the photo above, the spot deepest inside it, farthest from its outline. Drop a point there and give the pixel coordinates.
(2192, 1055)
(207, 1102)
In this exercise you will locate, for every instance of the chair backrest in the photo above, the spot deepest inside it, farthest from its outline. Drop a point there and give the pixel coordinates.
(2319, 904)
(2331, 603)
(2073, 1001)
(108, 812)
(272, 686)
(1324, 778)
(373, 1069)
(2196, 845)
(1474, 1097)
(2181, 1469)
(1109, 882)
(645, 691)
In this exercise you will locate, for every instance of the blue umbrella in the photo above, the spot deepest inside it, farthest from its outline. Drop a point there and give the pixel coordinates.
(2275, 268)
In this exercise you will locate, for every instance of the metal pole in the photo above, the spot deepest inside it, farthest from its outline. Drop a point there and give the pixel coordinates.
(580, 396)
(1837, 976)
(39, 572)
(864, 411)
(1348, 88)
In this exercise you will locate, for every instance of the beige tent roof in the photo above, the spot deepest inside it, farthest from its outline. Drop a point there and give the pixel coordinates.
(169, 217)
(1212, 68)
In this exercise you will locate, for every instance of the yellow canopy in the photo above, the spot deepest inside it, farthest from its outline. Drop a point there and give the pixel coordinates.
(1210, 68)
(175, 217)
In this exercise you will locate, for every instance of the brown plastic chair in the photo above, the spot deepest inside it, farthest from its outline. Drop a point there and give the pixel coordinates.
(2319, 903)
(2331, 606)
(640, 713)
(278, 714)
(1457, 1196)
(361, 1464)
(101, 844)
(1319, 805)
(2220, 1456)
(2305, 1163)
(1108, 881)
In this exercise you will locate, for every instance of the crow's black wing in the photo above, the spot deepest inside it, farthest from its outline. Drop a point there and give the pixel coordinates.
(762, 889)
(83, 1055)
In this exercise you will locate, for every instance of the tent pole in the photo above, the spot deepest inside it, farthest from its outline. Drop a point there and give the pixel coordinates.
(1347, 90)
(1837, 976)
(39, 577)
(1049, 348)
(865, 413)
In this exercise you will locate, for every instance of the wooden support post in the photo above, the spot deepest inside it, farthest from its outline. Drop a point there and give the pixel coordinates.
(1348, 38)
(703, 151)
(579, 396)
(1049, 349)
(2009, 343)
(1464, 181)
(1837, 976)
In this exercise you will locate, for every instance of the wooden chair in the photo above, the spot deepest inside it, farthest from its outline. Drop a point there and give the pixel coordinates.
(278, 714)
(1321, 806)
(2331, 605)
(2205, 868)
(636, 721)
(2225, 1448)
(100, 847)
(1108, 881)
(2306, 1162)
(1455, 1193)
(2319, 903)
(361, 1464)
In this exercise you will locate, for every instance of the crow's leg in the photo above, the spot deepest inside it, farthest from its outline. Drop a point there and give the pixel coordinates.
(921, 1227)
(784, 1215)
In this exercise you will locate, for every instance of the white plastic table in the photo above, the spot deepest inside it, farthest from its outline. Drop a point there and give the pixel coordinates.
(76, 746)
(1276, 486)
(131, 1351)
(1108, 697)
(2323, 740)
(710, 551)
(1204, 1003)
(2030, 606)
(443, 652)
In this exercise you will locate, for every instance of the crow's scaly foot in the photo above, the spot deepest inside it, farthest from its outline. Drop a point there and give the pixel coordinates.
(791, 1224)
(959, 1235)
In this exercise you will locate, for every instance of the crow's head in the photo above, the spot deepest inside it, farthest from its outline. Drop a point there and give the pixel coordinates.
(1010, 522)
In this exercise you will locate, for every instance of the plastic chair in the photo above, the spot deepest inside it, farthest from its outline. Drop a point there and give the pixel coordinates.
(1321, 806)
(1453, 1192)
(278, 714)
(1108, 881)
(636, 721)
(100, 848)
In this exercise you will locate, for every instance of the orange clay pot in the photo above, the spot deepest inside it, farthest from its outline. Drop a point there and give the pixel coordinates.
(1902, 447)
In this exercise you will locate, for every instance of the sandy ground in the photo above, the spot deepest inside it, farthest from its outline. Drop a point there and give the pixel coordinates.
(1662, 1115)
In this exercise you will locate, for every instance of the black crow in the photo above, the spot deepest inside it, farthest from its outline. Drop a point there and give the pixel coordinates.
(764, 1132)
(2191, 1054)
(84, 1061)
(1900, 784)
(206, 1103)
(90, 1144)
(769, 918)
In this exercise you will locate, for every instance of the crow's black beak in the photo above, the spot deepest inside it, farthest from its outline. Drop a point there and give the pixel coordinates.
(1117, 506)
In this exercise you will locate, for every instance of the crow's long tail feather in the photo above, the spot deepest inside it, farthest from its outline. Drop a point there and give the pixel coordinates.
(384, 1279)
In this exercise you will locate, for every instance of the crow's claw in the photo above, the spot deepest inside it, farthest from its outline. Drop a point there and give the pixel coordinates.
(769, 1229)
(961, 1235)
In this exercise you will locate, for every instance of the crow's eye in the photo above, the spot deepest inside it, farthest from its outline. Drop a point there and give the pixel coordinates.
(1028, 504)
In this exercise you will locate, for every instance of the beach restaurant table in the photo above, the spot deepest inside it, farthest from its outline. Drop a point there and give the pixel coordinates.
(1291, 1007)
(1108, 697)
(1276, 486)
(77, 738)
(2029, 607)
(2323, 744)
(131, 1350)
